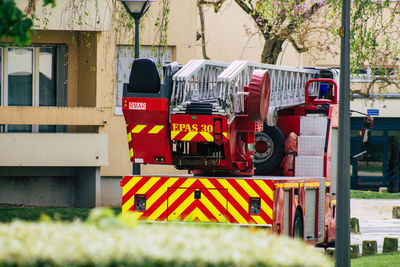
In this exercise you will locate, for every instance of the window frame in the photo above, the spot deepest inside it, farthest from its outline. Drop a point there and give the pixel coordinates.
(60, 65)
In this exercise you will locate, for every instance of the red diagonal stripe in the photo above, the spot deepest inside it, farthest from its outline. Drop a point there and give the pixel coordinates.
(157, 204)
(134, 189)
(199, 138)
(180, 135)
(197, 204)
(172, 206)
(125, 180)
(219, 206)
(264, 197)
(216, 184)
(260, 192)
(156, 186)
(234, 203)
(244, 195)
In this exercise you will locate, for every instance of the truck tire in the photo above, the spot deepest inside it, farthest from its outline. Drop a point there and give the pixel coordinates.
(298, 225)
(268, 150)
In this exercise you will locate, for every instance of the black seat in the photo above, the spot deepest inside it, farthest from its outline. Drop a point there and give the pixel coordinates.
(144, 77)
(199, 108)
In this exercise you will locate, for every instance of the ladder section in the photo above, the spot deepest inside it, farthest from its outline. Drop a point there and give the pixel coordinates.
(287, 86)
(309, 161)
(195, 88)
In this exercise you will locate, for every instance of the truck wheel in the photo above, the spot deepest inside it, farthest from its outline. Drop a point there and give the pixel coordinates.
(298, 225)
(268, 149)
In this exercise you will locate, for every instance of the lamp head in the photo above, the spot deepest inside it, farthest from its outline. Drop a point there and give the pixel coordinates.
(137, 8)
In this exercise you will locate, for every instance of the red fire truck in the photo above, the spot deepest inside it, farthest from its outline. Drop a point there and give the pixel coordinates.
(258, 141)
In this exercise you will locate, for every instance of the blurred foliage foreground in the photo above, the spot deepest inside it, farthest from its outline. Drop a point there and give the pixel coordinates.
(108, 240)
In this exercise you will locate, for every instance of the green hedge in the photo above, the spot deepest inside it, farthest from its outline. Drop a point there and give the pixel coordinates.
(106, 240)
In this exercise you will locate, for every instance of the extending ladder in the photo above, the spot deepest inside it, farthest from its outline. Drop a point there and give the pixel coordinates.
(196, 84)
(219, 87)
(287, 86)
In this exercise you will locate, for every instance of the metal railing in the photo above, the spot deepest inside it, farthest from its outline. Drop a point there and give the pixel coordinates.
(197, 82)
(287, 86)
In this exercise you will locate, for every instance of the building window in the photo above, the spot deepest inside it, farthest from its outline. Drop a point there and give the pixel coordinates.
(125, 57)
(368, 74)
(33, 76)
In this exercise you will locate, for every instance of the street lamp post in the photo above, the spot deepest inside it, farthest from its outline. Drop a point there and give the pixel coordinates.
(343, 184)
(136, 9)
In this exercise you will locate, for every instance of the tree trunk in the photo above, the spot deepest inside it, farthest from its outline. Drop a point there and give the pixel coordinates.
(271, 51)
(203, 34)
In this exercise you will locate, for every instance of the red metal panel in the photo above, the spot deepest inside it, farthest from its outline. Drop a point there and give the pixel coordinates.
(197, 128)
(288, 124)
(147, 129)
(140, 110)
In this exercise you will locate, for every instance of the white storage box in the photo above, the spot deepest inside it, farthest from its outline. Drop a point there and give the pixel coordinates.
(309, 166)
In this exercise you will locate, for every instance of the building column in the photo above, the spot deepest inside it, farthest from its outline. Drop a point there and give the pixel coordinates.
(87, 192)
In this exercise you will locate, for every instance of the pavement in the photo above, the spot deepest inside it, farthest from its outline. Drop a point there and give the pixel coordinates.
(375, 219)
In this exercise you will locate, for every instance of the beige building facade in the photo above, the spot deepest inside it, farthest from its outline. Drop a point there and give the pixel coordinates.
(62, 134)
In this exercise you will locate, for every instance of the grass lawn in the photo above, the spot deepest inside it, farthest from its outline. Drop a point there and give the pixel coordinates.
(384, 260)
(33, 213)
(373, 195)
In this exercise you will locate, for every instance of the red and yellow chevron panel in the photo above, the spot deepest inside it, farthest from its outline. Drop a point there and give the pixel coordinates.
(144, 129)
(145, 133)
(223, 200)
(198, 128)
(195, 136)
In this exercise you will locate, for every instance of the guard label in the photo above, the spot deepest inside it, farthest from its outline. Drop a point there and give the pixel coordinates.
(137, 105)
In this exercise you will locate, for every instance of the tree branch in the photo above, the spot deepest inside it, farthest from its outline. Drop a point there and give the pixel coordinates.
(367, 94)
(217, 4)
(296, 46)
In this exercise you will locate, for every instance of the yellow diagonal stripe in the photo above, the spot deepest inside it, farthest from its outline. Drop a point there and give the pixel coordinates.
(220, 217)
(142, 190)
(138, 128)
(258, 219)
(163, 189)
(243, 184)
(222, 199)
(128, 186)
(264, 187)
(207, 136)
(156, 129)
(174, 133)
(154, 216)
(129, 137)
(252, 193)
(267, 209)
(189, 136)
(231, 209)
(236, 214)
(172, 198)
(127, 205)
(232, 191)
(225, 134)
(178, 211)
(217, 195)
(131, 152)
(197, 213)
(146, 187)
(206, 183)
